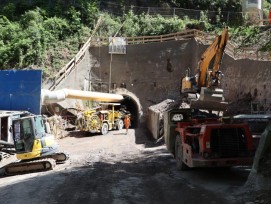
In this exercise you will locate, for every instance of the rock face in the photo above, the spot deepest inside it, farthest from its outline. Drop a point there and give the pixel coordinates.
(259, 181)
(163, 106)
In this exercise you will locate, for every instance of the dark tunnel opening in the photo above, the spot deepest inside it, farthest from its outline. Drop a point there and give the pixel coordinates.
(132, 107)
(130, 102)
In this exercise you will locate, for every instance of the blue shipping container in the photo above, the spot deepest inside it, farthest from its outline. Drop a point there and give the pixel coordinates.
(20, 90)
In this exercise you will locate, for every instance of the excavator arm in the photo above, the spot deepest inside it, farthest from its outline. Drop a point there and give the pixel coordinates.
(205, 60)
(216, 49)
(206, 81)
(222, 42)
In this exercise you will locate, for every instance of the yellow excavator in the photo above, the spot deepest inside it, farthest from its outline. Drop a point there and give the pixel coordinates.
(36, 148)
(203, 90)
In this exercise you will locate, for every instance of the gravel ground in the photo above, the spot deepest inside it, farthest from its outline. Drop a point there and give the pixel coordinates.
(119, 168)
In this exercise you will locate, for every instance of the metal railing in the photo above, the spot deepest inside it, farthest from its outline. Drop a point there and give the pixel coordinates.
(232, 49)
(186, 34)
(228, 17)
(119, 9)
(71, 65)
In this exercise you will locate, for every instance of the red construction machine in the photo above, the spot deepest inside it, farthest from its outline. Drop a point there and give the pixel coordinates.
(200, 139)
(197, 137)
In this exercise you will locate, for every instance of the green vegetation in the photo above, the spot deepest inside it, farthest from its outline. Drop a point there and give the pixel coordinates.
(224, 5)
(44, 37)
(47, 34)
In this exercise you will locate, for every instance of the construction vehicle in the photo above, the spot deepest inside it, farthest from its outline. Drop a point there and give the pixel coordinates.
(23, 130)
(6, 137)
(35, 147)
(27, 133)
(101, 121)
(257, 124)
(203, 90)
(199, 139)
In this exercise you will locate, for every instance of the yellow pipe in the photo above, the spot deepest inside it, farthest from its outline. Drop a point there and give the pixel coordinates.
(48, 97)
(90, 95)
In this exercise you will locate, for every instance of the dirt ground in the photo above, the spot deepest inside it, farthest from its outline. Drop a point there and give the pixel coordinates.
(118, 168)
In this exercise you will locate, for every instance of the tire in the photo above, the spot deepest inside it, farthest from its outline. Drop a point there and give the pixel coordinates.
(179, 155)
(120, 125)
(104, 129)
(79, 123)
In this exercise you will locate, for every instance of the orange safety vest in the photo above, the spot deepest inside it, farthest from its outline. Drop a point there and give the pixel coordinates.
(127, 122)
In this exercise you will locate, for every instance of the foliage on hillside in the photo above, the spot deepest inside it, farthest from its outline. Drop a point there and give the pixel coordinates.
(43, 37)
(143, 25)
(224, 5)
(46, 34)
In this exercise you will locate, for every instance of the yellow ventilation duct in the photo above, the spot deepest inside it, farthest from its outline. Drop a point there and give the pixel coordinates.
(48, 97)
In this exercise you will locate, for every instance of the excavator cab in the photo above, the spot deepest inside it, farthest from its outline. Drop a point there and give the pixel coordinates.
(203, 90)
(189, 83)
(36, 149)
(31, 139)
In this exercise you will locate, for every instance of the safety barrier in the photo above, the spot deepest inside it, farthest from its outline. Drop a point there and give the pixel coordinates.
(232, 49)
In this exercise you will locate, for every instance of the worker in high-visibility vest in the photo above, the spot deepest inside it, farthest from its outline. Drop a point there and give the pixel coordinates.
(127, 123)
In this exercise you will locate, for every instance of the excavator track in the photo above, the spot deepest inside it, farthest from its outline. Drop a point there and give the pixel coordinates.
(60, 157)
(24, 167)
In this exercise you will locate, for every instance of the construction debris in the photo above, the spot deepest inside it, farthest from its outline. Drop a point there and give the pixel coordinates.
(155, 121)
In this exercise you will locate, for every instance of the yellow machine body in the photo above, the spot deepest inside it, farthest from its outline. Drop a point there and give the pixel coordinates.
(36, 149)
(206, 82)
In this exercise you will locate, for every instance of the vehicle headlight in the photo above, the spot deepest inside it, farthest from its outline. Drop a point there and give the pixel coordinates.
(205, 155)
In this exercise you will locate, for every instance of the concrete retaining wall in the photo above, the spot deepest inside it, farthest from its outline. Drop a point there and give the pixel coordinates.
(153, 72)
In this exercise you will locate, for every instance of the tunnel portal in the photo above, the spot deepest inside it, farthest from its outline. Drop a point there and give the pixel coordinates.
(132, 104)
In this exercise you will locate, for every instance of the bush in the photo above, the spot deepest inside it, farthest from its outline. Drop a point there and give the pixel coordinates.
(47, 33)
(58, 27)
(110, 25)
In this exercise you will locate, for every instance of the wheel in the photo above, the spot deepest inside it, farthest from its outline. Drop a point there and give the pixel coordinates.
(120, 124)
(179, 154)
(104, 129)
(80, 123)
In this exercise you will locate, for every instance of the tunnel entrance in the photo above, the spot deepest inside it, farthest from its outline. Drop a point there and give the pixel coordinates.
(132, 104)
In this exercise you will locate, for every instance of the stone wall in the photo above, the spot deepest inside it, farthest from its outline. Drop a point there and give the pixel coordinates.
(153, 72)
(245, 76)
